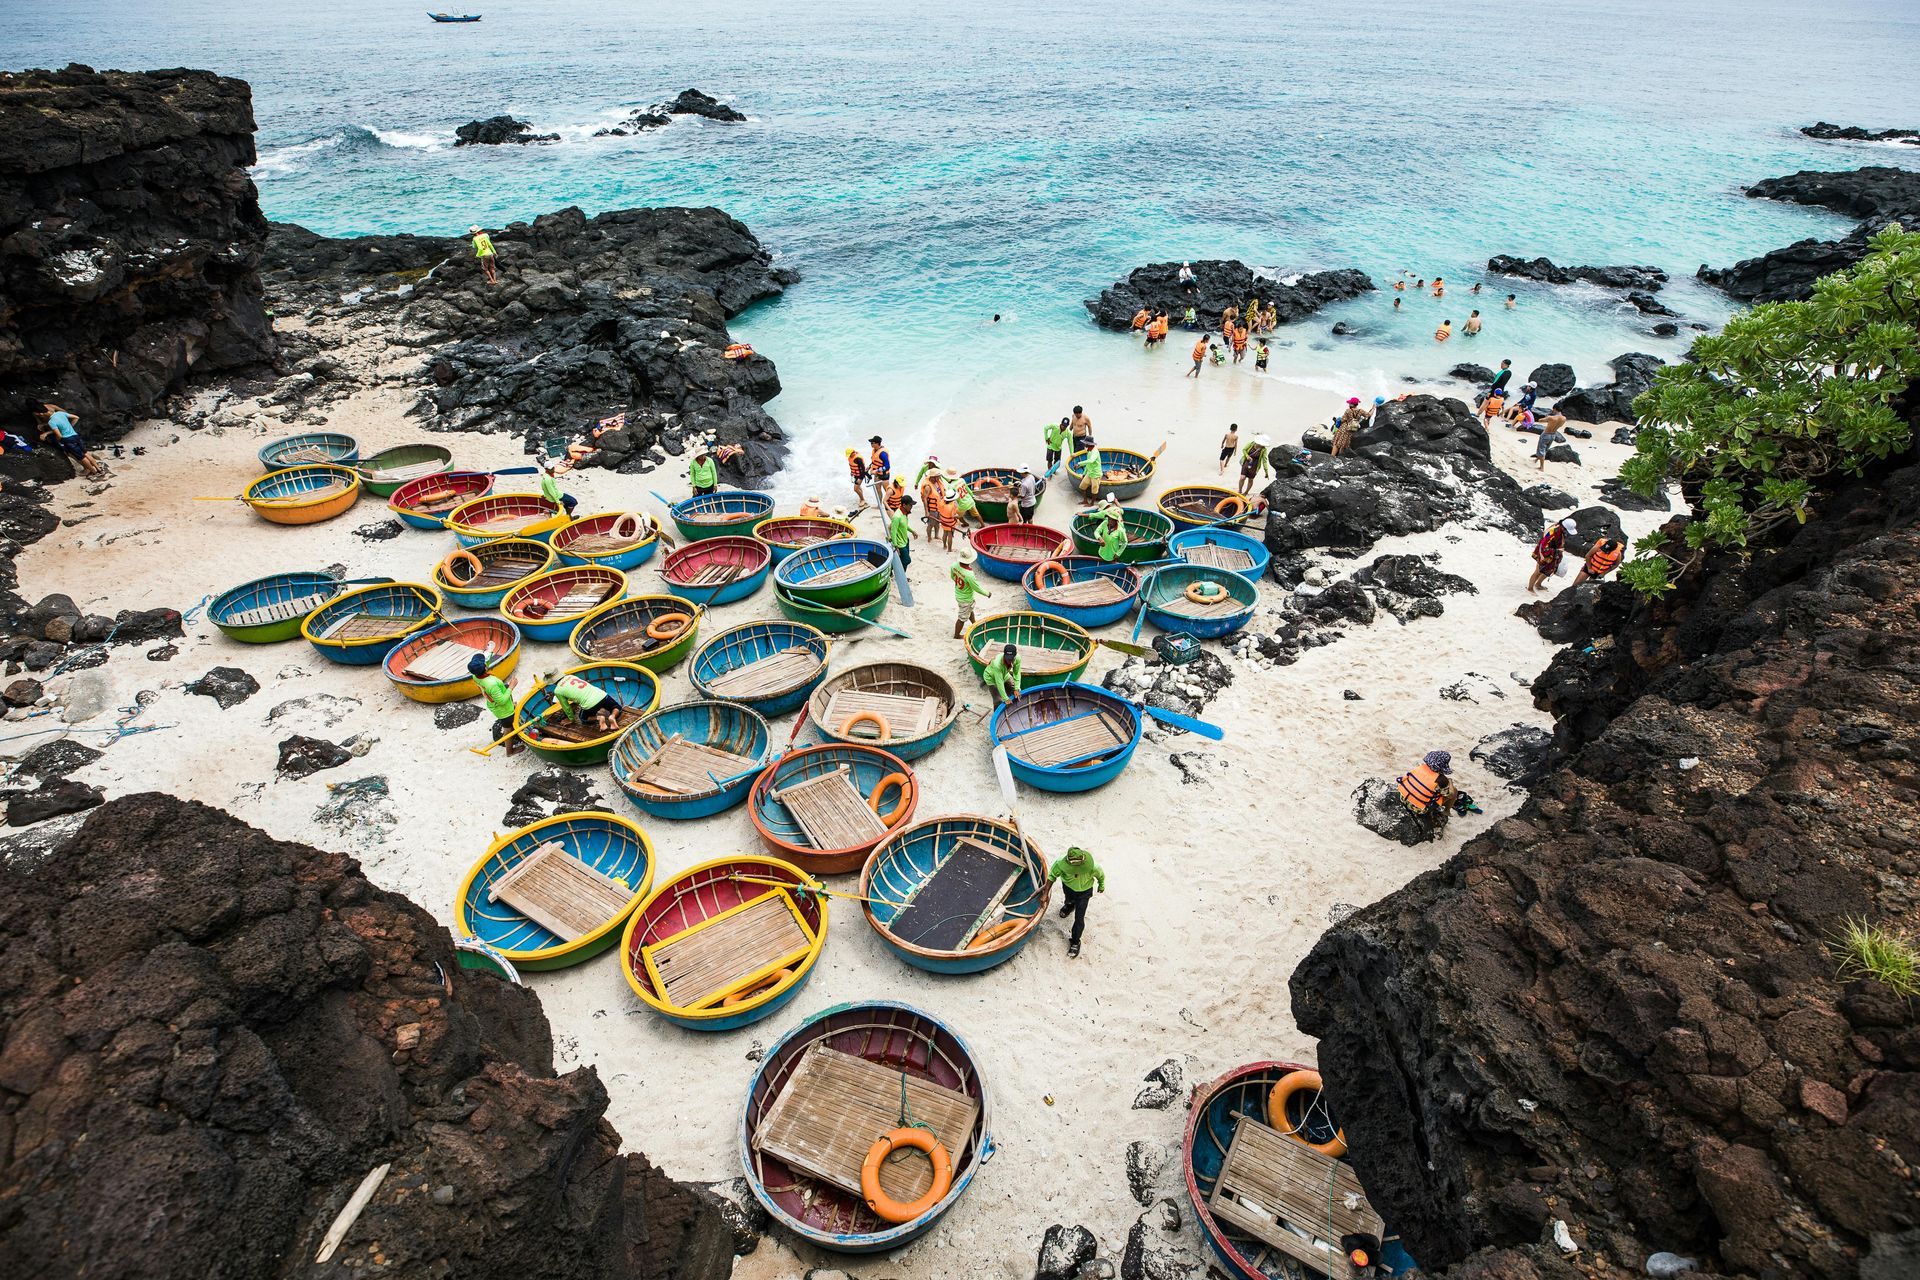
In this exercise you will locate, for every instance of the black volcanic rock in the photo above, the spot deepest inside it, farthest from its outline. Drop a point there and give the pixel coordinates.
(1648, 305)
(1553, 379)
(692, 102)
(1632, 374)
(1219, 284)
(1547, 272)
(1467, 371)
(1877, 191)
(1854, 133)
(1877, 194)
(638, 122)
(130, 238)
(498, 130)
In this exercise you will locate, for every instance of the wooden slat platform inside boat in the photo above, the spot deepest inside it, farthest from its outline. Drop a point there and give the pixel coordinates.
(729, 952)
(1269, 1179)
(560, 893)
(680, 766)
(831, 810)
(906, 716)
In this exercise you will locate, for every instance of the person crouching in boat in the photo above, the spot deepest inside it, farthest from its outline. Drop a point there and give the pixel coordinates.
(1078, 874)
(483, 249)
(1002, 675)
(585, 704)
(1428, 788)
(550, 489)
(1111, 529)
(499, 698)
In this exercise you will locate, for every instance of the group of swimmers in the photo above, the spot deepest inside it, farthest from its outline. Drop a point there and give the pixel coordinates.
(1437, 288)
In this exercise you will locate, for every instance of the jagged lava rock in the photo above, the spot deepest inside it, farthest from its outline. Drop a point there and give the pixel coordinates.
(1379, 807)
(497, 131)
(1467, 371)
(1553, 379)
(1877, 194)
(1063, 1251)
(1219, 284)
(1854, 133)
(302, 757)
(692, 102)
(1516, 753)
(228, 686)
(1544, 270)
(1632, 376)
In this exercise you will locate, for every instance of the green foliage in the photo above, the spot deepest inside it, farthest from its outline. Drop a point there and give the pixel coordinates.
(1877, 952)
(1788, 395)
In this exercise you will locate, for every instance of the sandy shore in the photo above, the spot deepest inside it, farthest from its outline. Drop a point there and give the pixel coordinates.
(1218, 882)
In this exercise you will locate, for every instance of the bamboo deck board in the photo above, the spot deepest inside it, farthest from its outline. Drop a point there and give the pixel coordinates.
(1069, 740)
(559, 892)
(906, 716)
(1086, 593)
(774, 673)
(1182, 607)
(682, 767)
(1036, 659)
(444, 661)
(400, 475)
(628, 643)
(704, 963)
(280, 611)
(831, 810)
(1215, 556)
(514, 521)
(1268, 1177)
(835, 1105)
(366, 626)
(600, 544)
(310, 453)
(556, 729)
(707, 575)
(840, 576)
(583, 599)
(500, 572)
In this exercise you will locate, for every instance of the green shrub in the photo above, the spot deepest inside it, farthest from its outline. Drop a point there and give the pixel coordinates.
(1877, 952)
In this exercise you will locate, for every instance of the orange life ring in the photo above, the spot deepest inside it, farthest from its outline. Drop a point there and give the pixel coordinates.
(865, 717)
(773, 980)
(669, 626)
(457, 560)
(992, 934)
(1299, 1082)
(1234, 500)
(886, 1207)
(899, 780)
(626, 526)
(1040, 575)
(1206, 592)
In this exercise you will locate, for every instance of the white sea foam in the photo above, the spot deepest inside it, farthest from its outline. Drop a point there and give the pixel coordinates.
(410, 141)
(289, 158)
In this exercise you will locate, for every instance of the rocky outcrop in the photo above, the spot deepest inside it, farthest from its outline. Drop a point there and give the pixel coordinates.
(498, 131)
(1854, 133)
(130, 239)
(1632, 376)
(1219, 284)
(1552, 379)
(692, 102)
(1544, 270)
(1877, 194)
(622, 313)
(1622, 1010)
(213, 1036)
(637, 122)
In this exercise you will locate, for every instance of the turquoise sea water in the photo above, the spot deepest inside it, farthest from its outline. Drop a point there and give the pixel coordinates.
(928, 165)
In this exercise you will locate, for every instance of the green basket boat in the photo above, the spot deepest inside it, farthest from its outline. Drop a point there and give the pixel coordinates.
(836, 619)
(1147, 534)
(633, 630)
(388, 469)
(1051, 649)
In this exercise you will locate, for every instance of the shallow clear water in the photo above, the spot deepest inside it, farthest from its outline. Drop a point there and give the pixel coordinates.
(927, 165)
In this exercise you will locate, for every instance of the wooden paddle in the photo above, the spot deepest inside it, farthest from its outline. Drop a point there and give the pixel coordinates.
(509, 736)
(1140, 619)
(1121, 646)
(900, 582)
(1003, 771)
(857, 618)
(1174, 721)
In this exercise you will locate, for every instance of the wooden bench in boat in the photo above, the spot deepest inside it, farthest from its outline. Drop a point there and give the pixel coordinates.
(440, 500)
(906, 716)
(499, 571)
(366, 626)
(682, 767)
(560, 893)
(400, 475)
(557, 729)
(304, 454)
(835, 1105)
(1269, 1180)
(600, 544)
(775, 673)
(838, 576)
(511, 522)
(583, 599)
(1078, 739)
(949, 906)
(831, 810)
(1215, 556)
(444, 661)
(1037, 659)
(1087, 592)
(278, 612)
(1180, 606)
(729, 952)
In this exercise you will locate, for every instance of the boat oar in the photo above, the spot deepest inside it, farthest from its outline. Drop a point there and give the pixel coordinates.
(1140, 620)
(505, 738)
(1175, 721)
(1003, 771)
(865, 622)
(794, 737)
(900, 582)
(813, 886)
(516, 471)
(1121, 646)
(721, 784)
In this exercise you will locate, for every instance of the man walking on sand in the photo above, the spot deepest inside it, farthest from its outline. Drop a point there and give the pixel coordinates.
(483, 250)
(1079, 875)
(966, 588)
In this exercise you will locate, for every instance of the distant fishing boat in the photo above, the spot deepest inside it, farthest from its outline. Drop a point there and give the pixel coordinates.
(449, 17)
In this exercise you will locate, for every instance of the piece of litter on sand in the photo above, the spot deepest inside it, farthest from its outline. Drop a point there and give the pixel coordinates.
(1564, 1237)
(1689, 762)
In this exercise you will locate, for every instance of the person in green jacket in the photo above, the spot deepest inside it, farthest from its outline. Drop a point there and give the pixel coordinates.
(1003, 675)
(1253, 460)
(499, 698)
(900, 531)
(1090, 473)
(585, 704)
(550, 489)
(1057, 437)
(483, 250)
(966, 588)
(1110, 525)
(1077, 873)
(703, 473)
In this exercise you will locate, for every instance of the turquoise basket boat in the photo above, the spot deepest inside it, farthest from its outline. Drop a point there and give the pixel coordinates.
(387, 470)
(1084, 590)
(360, 628)
(835, 620)
(1240, 553)
(963, 926)
(309, 446)
(610, 846)
(635, 688)
(612, 539)
(769, 666)
(503, 565)
(837, 573)
(1066, 737)
(675, 781)
(1165, 599)
(270, 610)
(920, 707)
(724, 513)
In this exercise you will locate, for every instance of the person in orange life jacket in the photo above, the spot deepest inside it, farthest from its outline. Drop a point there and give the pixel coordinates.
(879, 471)
(857, 471)
(1429, 791)
(1601, 561)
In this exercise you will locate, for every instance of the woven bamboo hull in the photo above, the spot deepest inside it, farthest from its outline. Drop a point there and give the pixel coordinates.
(834, 623)
(492, 631)
(747, 558)
(277, 496)
(335, 448)
(726, 726)
(992, 546)
(311, 513)
(753, 642)
(995, 511)
(609, 844)
(889, 677)
(866, 766)
(1087, 616)
(1197, 509)
(263, 592)
(1147, 533)
(988, 634)
(490, 597)
(471, 523)
(1126, 491)
(908, 857)
(415, 604)
(752, 508)
(467, 484)
(552, 587)
(797, 573)
(635, 610)
(1170, 583)
(626, 558)
(775, 533)
(406, 455)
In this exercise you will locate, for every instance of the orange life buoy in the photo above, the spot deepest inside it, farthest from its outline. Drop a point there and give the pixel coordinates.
(1234, 500)
(886, 1207)
(1054, 566)
(669, 626)
(1206, 592)
(626, 526)
(773, 980)
(865, 717)
(449, 568)
(899, 780)
(992, 934)
(1299, 1082)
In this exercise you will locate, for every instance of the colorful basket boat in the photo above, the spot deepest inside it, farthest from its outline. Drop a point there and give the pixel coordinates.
(725, 943)
(635, 688)
(612, 539)
(503, 565)
(387, 470)
(1190, 506)
(785, 535)
(804, 815)
(1136, 468)
(722, 514)
(1147, 533)
(1240, 553)
(996, 492)
(1168, 606)
(1066, 737)
(360, 628)
(427, 502)
(836, 573)
(1084, 590)
(431, 665)
(505, 515)
(769, 666)
(914, 705)
(654, 632)
(1007, 551)
(839, 619)
(1051, 649)
(717, 570)
(901, 1051)
(975, 914)
(547, 908)
(549, 605)
(307, 448)
(303, 495)
(271, 609)
(691, 760)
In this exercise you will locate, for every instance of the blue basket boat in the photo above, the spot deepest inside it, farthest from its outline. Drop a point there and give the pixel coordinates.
(971, 918)
(612, 539)
(837, 573)
(361, 627)
(1066, 737)
(917, 1049)
(1170, 608)
(480, 577)
(769, 666)
(1240, 553)
(689, 778)
(914, 713)
(615, 850)
(723, 513)
(1245, 1096)
(271, 609)
(717, 570)
(633, 687)
(308, 447)
(1136, 468)
(1083, 589)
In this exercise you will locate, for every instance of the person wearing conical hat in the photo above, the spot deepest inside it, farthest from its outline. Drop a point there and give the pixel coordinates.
(483, 249)
(966, 589)
(947, 510)
(811, 507)
(963, 498)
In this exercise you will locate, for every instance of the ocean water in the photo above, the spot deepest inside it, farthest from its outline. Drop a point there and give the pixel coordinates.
(927, 165)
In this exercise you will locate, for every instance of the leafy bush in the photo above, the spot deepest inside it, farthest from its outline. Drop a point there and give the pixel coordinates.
(1788, 395)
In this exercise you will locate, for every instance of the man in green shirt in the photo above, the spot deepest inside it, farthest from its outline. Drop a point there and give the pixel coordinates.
(900, 531)
(483, 250)
(703, 473)
(584, 703)
(1090, 472)
(1111, 526)
(499, 699)
(966, 588)
(550, 489)
(1057, 437)
(1077, 873)
(1003, 675)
